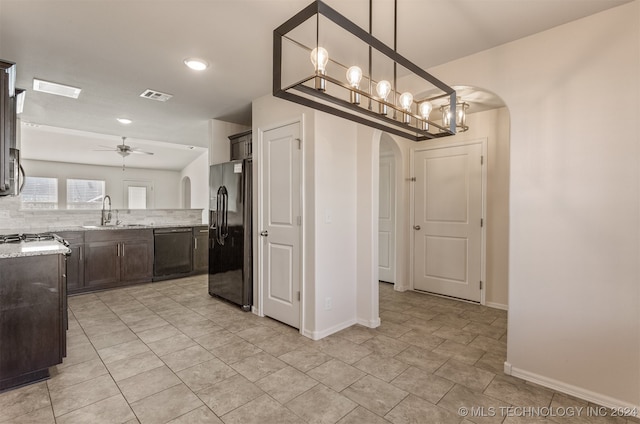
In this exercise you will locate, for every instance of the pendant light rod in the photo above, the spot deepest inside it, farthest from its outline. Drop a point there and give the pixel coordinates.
(395, 49)
(370, 106)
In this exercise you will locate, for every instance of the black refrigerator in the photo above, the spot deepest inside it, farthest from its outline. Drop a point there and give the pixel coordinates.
(230, 251)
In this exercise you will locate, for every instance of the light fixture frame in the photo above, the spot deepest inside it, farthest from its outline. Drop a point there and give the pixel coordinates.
(364, 115)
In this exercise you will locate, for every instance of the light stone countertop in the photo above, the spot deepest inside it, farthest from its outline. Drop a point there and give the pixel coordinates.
(32, 248)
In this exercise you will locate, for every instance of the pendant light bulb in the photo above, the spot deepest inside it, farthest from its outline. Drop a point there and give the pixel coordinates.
(354, 76)
(406, 99)
(425, 110)
(383, 89)
(319, 58)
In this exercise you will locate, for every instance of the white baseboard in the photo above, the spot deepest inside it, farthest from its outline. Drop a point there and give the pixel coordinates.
(371, 323)
(255, 311)
(569, 389)
(497, 305)
(317, 335)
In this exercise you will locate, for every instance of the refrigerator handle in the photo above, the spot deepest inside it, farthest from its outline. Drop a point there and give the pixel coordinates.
(219, 200)
(225, 224)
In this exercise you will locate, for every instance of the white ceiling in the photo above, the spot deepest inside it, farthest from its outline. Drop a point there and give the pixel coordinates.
(114, 50)
(44, 143)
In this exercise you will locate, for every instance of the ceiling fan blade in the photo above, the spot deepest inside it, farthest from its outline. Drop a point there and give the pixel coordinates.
(105, 150)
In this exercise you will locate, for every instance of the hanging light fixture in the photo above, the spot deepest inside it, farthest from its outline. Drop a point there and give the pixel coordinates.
(460, 112)
(327, 89)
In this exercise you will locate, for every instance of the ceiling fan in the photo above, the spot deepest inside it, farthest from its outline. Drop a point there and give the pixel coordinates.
(124, 150)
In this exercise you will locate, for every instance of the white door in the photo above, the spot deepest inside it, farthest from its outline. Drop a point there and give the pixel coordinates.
(447, 221)
(280, 226)
(387, 220)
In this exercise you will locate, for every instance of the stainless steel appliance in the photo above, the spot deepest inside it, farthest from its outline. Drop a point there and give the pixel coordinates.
(230, 271)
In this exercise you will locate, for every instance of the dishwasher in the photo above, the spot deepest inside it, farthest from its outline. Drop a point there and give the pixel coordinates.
(173, 255)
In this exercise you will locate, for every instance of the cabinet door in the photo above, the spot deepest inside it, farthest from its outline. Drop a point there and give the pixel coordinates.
(75, 261)
(201, 252)
(30, 320)
(137, 260)
(102, 264)
(75, 268)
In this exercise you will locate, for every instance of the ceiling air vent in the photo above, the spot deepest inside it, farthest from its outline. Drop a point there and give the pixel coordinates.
(156, 95)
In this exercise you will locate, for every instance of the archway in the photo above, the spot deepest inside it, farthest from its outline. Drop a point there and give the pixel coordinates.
(186, 193)
(488, 119)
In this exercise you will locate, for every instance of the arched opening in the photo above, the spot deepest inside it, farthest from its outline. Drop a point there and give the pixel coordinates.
(489, 122)
(390, 210)
(186, 193)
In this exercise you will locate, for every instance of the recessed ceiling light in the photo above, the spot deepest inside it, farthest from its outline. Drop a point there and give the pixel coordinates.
(124, 121)
(55, 88)
(196, 64)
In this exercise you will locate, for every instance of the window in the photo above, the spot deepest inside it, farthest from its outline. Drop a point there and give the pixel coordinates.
(137, 197)
(138, 194)
(40, 193)
(85, 194)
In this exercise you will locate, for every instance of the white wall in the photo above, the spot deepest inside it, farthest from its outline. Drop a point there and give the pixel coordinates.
(335, 157)
(166, 184)
(574, 293)
(198, 173)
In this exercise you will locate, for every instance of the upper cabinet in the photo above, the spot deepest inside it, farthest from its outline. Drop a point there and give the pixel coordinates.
(7, 122)
(241, 145)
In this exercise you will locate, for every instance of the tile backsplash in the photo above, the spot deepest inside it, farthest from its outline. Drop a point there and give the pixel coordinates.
(15, 219)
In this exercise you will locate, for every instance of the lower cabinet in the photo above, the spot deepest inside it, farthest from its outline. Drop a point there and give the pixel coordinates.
(32, 318)
(75, 261)
(200, 250)
(102, 259)
(117, 257)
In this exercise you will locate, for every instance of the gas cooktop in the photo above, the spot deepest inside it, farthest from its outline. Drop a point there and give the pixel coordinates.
(27, 237)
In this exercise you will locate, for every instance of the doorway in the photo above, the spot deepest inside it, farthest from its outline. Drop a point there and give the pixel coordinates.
(138, 194)
(280, 246)
(387, 212)
(186, 193)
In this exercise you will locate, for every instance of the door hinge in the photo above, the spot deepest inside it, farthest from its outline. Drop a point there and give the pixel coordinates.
(298, 296)
(481, 160)
(481, 222)
(413, 179)
(299, 143)
(299, 220)
(480, 284)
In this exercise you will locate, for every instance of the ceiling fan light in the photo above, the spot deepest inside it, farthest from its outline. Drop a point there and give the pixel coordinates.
(124, 121)
(196, 64)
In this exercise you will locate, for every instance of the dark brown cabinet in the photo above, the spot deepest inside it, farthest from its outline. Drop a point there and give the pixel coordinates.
(241, 146)
(117, 257)
(32, 317)
(75, 261)
(200, 250)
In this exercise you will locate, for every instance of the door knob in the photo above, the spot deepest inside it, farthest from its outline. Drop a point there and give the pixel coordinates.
(416, 227)
(264, 233)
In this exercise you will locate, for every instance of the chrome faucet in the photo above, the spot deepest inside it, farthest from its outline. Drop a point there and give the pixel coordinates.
(106, 214)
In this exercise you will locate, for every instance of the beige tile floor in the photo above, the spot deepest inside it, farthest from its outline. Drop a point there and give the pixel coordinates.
(169, 353)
